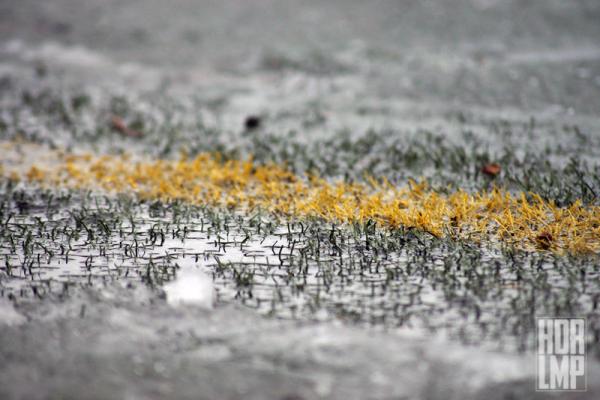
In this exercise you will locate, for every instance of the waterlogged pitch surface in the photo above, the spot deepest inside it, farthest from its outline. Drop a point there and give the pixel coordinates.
(309, 302)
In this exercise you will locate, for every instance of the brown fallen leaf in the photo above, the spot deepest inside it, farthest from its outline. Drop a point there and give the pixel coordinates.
(491, 169)
(544, 240)
(120, 126)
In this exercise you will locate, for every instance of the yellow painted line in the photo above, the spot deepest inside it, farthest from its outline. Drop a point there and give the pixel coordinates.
(526, 222)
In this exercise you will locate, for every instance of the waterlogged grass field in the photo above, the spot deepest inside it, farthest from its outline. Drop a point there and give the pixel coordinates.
(391, 229)
(295, 199)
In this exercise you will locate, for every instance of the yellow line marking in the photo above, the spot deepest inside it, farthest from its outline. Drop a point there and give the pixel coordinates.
(525, 222)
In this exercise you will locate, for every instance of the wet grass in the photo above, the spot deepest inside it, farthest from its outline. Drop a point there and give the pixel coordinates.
(554, 161)
(485, 293)
(297, 269)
